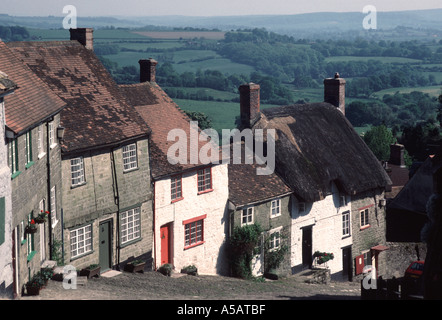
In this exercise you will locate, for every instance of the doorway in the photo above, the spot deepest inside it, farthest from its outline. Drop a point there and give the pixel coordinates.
(347, 267)
(105, 245)
(166, 235)
(307, 254)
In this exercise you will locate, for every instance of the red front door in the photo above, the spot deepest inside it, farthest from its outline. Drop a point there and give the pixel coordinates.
(165, 244)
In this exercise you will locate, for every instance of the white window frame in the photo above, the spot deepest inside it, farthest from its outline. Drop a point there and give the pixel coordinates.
(77, 170)
(346, 227)
(275, 238)
(275, 208)
(130, 159)
(81, 238)
(247, 214)
(342, 200)
(364, 218)
(130, 225)
(51, 138)
(54, 220)
(40, 142)
(12, 156)
(28, 147)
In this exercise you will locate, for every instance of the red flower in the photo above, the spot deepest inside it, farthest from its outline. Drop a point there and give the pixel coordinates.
(47, 212)
(32, 221)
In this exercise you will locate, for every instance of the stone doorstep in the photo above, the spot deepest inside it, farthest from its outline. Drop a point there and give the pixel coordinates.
(49, 264)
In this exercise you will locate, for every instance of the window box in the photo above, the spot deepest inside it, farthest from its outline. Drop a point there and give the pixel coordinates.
(92, 271)
(135, 266)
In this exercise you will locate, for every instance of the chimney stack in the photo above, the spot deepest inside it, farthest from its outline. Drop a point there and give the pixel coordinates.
(147, 70)
(249, 103)
(397, 155)
(334, 92)
(84, 36)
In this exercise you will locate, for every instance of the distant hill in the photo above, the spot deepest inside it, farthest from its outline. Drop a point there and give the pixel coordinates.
(300, 25)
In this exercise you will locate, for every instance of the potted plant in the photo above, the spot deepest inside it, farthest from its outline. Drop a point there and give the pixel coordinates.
(31, 228)
(165, 269)
(92, 270)
(34, 285)
(323, 257)
(42, 217)
(135, 266)
(47, 274)
(190, 270)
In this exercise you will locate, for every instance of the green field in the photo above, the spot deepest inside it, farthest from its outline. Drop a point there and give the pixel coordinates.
(381, 59)
(434, 91)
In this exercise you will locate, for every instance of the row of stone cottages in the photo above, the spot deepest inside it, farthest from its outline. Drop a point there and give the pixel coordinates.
(92, 157)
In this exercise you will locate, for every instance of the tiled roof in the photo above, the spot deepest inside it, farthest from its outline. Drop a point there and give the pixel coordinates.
(247, 187)
(32, 101)
(162, 115)
(96, 113)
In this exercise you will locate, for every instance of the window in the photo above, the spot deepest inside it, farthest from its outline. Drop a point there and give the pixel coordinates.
(301, 207)
(275, 208)
(204, 180)
(81, 241)
(53, 207)
(175, 188)
(275, 238)
(77, 171)
(28, 147)
(342, 200)
(52, 140)
(13, 156)
(247, 216)
(130, 225)
(364, 218)
(30, 237)
(346, 223)
(194, 231)
(40, 142)
(130, 157)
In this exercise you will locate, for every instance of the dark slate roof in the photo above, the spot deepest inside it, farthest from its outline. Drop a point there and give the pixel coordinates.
(32, 101)
(161, 114)
(96, 114)
(316, 145)
(415, 194)
(247, 187)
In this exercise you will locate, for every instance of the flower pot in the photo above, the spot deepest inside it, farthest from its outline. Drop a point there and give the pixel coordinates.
(39, 220)
(131, 267)
(89, 273)
(30, 230)
(32, 290)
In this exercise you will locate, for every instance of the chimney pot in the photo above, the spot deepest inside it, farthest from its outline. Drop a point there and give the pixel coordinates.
(147, 70)
(397, 155)
(249, 103)
(334, 92)
(84, 36)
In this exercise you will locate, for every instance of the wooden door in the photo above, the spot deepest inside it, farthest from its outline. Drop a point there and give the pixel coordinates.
(307, 255)
(347, 264)
(165, 235)
(104, 246)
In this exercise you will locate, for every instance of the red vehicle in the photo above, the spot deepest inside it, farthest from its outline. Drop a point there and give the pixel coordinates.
(415, 270)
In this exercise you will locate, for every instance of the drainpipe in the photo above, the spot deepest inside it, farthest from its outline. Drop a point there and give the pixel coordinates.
(117, 202)
(48, 164)
(154, 231)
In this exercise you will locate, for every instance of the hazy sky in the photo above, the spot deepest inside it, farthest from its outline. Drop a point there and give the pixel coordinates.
(204, 7)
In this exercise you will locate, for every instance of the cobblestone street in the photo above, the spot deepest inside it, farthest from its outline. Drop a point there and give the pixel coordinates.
(155, 286)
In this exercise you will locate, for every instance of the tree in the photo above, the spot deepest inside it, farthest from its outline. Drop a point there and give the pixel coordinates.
(379, 139)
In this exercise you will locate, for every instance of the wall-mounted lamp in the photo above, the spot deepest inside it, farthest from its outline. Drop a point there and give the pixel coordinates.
(60, 132)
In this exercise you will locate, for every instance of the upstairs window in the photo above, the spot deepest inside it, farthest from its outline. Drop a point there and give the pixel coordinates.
(52, 140)
(204, 180)
(275, 208)
(28, 147)
(364, 218)
(130, 157)
(40, 142)
(346, 223)
(77, 171)
(175, 188)
(13, 156)
(247, 216)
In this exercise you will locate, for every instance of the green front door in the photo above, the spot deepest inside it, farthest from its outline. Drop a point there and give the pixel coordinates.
(105, 246)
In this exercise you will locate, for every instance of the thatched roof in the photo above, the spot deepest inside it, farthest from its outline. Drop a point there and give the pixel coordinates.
(317, 145)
